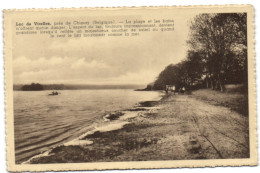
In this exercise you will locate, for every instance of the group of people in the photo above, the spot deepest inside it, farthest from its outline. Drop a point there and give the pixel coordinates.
(172, 88)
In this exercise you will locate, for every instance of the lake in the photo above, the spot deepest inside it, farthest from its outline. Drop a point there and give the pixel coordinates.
(42, 122)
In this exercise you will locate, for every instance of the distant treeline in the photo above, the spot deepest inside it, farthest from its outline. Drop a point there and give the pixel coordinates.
(217, 54)
(38, 87)
(32, 87)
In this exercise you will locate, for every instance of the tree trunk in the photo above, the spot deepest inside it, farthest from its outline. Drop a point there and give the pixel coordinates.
(221, 84)
(211, 83)
(216, 84)
(207, 81)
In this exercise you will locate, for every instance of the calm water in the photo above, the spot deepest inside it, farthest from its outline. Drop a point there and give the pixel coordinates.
(43, 121)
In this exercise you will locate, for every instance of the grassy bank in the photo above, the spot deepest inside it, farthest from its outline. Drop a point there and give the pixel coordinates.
(236, 101)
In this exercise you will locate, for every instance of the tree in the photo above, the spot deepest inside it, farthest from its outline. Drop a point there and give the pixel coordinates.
(167, 77)
(183, 74)
(217, 53)
(216, 36)
(32, 87)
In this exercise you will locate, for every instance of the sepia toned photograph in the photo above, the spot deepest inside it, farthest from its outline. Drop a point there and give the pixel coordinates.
(130, 88)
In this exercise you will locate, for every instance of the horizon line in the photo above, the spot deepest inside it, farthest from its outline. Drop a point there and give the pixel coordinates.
(70, 84)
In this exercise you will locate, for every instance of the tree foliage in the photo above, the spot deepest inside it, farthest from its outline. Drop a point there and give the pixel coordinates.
(217, 53)
(32, 87)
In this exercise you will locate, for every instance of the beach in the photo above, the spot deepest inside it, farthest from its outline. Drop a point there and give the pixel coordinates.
(51, 121)
(178, 127)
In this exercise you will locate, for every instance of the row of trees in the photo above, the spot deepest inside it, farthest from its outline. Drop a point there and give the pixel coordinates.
(39, 87)
(217, 54)
(32, 87)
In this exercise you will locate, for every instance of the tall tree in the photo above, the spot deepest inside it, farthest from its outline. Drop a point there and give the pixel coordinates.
(216, 36)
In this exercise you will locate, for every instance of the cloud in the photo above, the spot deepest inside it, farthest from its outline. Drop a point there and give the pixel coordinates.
(57, 69)
(23, 64)
(82, 64)
(99, 60)
(140, 77)
(76, 70)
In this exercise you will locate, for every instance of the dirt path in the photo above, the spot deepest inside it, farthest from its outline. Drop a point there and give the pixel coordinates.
(199, 130)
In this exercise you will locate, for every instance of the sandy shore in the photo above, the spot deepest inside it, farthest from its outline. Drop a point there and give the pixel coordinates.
(177, 127)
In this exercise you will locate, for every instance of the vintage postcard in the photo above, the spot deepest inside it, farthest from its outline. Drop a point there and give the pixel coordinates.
(130, 88)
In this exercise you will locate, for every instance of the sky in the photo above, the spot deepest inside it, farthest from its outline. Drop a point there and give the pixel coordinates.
(99, 60)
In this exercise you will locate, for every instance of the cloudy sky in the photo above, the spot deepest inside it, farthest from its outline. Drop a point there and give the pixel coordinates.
(103, 60)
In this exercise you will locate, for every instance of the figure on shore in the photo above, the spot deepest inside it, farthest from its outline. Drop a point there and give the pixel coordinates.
(166, 89)
(182, 90)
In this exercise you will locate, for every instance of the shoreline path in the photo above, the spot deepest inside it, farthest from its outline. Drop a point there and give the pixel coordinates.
(200, 130)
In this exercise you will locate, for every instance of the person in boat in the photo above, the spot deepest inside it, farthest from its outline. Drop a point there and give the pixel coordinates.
(54, 93)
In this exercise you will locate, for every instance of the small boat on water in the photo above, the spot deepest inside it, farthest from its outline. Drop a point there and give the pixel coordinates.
(54, 93)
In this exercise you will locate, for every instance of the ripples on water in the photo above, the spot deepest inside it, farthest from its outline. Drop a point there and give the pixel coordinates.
(42, 121)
